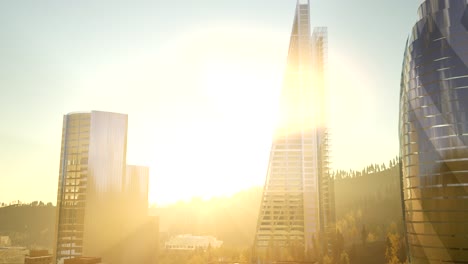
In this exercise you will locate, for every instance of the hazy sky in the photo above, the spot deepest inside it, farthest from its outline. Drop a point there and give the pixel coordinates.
(199, 81)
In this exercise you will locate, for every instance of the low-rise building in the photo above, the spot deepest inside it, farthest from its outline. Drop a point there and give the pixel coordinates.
(5, 241)
(12, 255)
(38, 257)
(83, 260)
(190, 242)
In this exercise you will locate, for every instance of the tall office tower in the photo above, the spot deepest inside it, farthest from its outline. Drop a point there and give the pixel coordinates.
(434, 134)
(137, 245)
(136, 191)
(297, 206)
(92, 169)
(326, 186)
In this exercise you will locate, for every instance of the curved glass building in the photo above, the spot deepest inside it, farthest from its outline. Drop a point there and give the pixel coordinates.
(434, 134)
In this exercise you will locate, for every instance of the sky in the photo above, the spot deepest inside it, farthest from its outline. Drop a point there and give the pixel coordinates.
(199, 81)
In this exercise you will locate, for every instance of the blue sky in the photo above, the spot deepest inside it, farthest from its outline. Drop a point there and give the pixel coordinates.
(195, 78)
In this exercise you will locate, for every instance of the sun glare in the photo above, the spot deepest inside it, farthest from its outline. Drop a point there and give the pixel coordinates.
(352, 112)
(215, 95)
(235, 94)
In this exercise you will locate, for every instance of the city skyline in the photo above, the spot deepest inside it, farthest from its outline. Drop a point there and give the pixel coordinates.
(130, 62)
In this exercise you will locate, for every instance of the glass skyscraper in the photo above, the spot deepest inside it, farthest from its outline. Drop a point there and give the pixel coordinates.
(101, 201)
(434, 134)
(297, 203)
(92, 169)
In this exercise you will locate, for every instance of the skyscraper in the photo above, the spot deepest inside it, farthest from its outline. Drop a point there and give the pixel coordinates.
(92, 169)
(139, 244)
(102, 203)
(297, 204)
(136, 193)
(434, 134)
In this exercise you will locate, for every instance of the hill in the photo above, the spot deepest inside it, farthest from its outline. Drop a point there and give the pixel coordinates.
(30, 225)
(369, 200)
(231, 219)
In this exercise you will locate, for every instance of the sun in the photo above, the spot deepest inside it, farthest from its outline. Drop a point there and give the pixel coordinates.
(220, 143)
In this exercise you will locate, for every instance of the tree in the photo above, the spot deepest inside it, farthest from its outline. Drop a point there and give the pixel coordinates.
(344, 258)
(327, 260)
(371, 237)
(196, 259)
(364, 234)
(353, 253)
(394, 249)
(338, 245)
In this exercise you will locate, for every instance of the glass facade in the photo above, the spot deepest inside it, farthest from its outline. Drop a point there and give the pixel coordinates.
(73, 177)
(92, 169)
(136, 188)
(434, 134)
(297, 176)
(136, 196)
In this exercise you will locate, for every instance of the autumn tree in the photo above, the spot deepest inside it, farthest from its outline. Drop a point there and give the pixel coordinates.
(364, 234)
(339, 244)
(327, 260)
(344, 258)
(395, 249)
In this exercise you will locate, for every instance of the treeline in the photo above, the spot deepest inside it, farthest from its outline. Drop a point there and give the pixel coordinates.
(29, 225)
(373, 168)
(211, 255)
(20, 203)
(369, 213)
(231, 219)
(371, 199)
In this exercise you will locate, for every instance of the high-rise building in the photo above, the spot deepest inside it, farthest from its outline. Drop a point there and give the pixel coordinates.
(434, 134)
(102, 203)
(325, 184)
(141, 232)
(297, 207)
(136, 191)
(92, 170)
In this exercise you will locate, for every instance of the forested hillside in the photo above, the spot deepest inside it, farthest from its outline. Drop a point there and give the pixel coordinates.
(29, 225)
(367, 199)
(231, 219)
(368, 210)
(369, 214)
(370, 200)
